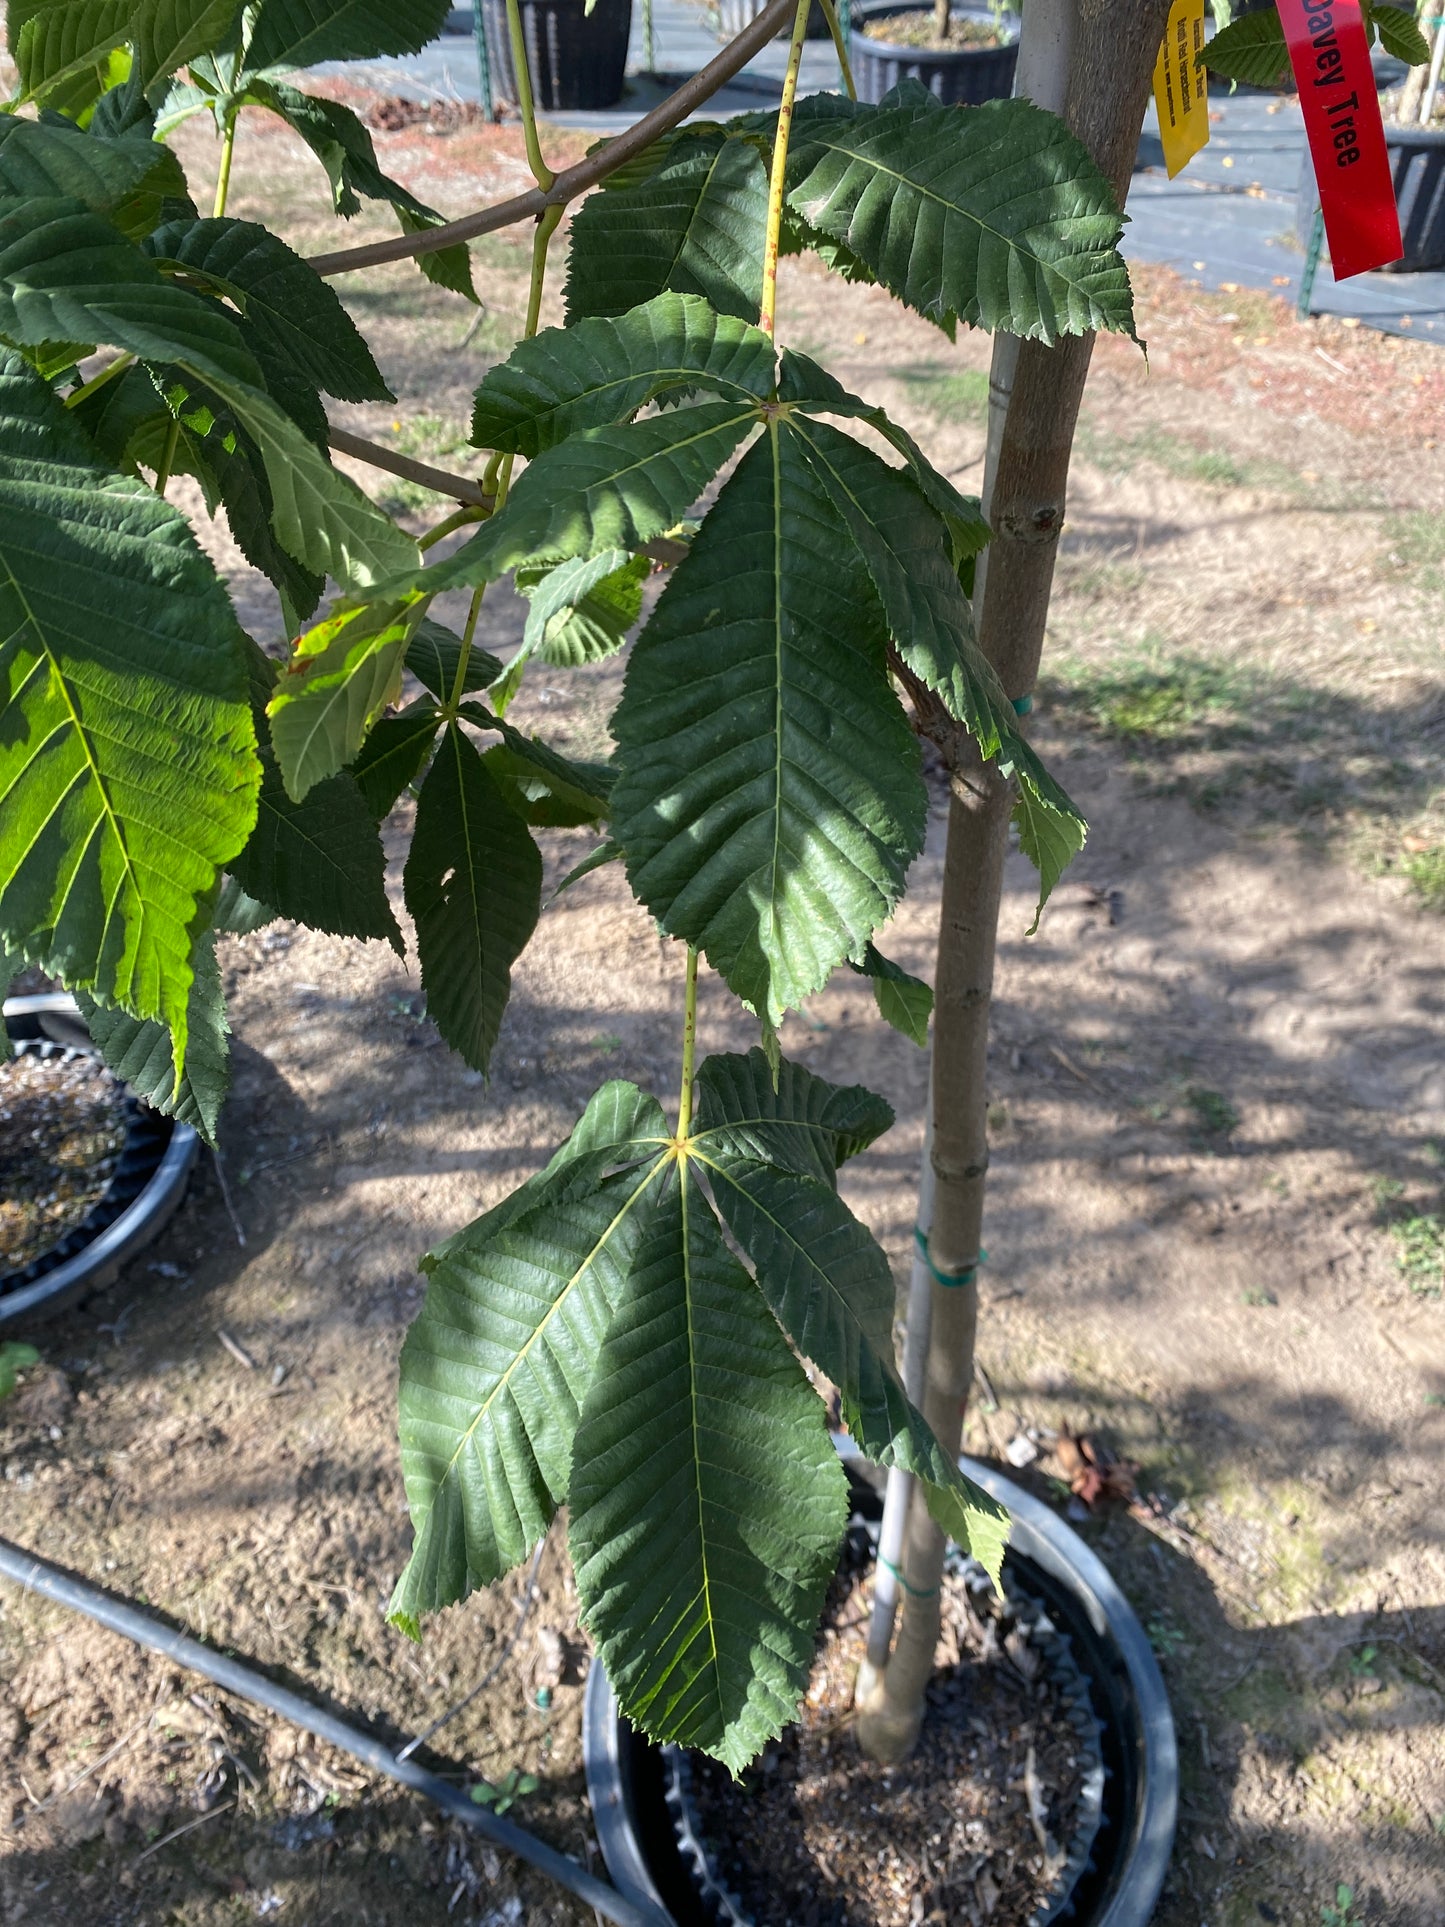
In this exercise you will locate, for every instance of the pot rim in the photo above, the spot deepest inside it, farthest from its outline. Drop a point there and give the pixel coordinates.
(1039, 1534)
(141, 1220)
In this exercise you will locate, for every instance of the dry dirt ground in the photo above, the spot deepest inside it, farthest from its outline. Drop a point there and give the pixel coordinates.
(1218, 1099)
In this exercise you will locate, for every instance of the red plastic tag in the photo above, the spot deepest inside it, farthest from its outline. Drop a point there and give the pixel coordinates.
(1330, 54)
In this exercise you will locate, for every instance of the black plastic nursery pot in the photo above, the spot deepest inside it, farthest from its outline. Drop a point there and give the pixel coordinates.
(1417, 163)
(577, 60)
(1120, 1879)
(958, 76)
(147, 1184)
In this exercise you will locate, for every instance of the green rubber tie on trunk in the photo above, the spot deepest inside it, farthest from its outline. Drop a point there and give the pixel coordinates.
(1023, 705)
(950, 1280)
(914, 1592)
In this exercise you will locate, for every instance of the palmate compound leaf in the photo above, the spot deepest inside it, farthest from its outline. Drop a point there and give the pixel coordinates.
(139, 1050)
(706, 1502)
(495, 1368)
(473, 885)
(128, 769)
(826, 1279)
(696, 225)
(996, 214)
(601, 371)
(771, 795)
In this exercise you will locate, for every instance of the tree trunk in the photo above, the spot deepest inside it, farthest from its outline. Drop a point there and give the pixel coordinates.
(1093, 59)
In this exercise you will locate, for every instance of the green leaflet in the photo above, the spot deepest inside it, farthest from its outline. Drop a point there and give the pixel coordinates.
(319, 862)
(706, 1502)
(901, 543)
(128, 771)
(11, 964)
(696, 225)
(795, 1120)
(320, 515)
(601, 371)
(342, 675)
(55, 41)
(139, 1051)
(237, 914)
(817, 392)
(66, 274)
(996, 214)
(344, 147)
(289, 315)
(543, 787)
(392, 756)
(903, 1001)
(771, 796)
(168, 33)
(1399, 33)
(301, 33)
(474, 888)
(1251, 49)
(581, 611)
(124, 176)
(606, 488)
(495, 1368)
(433, 655)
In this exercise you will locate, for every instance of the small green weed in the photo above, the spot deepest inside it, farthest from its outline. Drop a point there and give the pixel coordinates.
(1252, 1295)
(960, 396)
(1214, 1115)
(1385, 1192)
(1424, 871)
(1342, 1914)
(15, 1358)
(1420, 1252)
(1166, 1639)
(1362, 1663)
(1417, 545)
(607, 1042)
(504, 1793)
(1162, 699)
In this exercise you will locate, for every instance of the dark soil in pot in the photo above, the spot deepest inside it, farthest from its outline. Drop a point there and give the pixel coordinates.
(63, 1125)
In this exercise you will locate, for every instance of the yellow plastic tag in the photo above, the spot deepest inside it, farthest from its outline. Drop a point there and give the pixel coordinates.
(1180, 92)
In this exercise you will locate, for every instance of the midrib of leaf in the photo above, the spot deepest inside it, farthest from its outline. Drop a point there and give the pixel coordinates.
(714, 1669)
(110, 815)
(856, 155)
(504, 1382)
(697, 207)
(777, 679)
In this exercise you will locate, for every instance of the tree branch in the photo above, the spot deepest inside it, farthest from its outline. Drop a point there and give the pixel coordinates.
(700, 87)
(458, 487)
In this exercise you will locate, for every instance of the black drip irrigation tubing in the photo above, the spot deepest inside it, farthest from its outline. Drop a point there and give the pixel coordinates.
(53, 1582)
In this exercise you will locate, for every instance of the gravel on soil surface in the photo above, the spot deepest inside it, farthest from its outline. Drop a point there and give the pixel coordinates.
(62, 1126)
(814, 1835)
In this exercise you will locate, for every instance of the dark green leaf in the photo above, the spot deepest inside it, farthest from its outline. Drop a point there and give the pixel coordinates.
(238, 914)
(1400, 35)
(127, 758)
(432, 656)
(55, 42)
(794, 1119)
(496, 1366)
(139, 1052)
(319, 862)
(771, 796)
(302, 33)
(996, 214)
(474, 889)
(125, 176)
(707, 1503)
(605, 853)
(1251, 49)
(607, 488)
(289, 315)
(392, 756)
(696, 226)
(168, 33)
(582, 611)
(600, 372)
(904, 1001)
